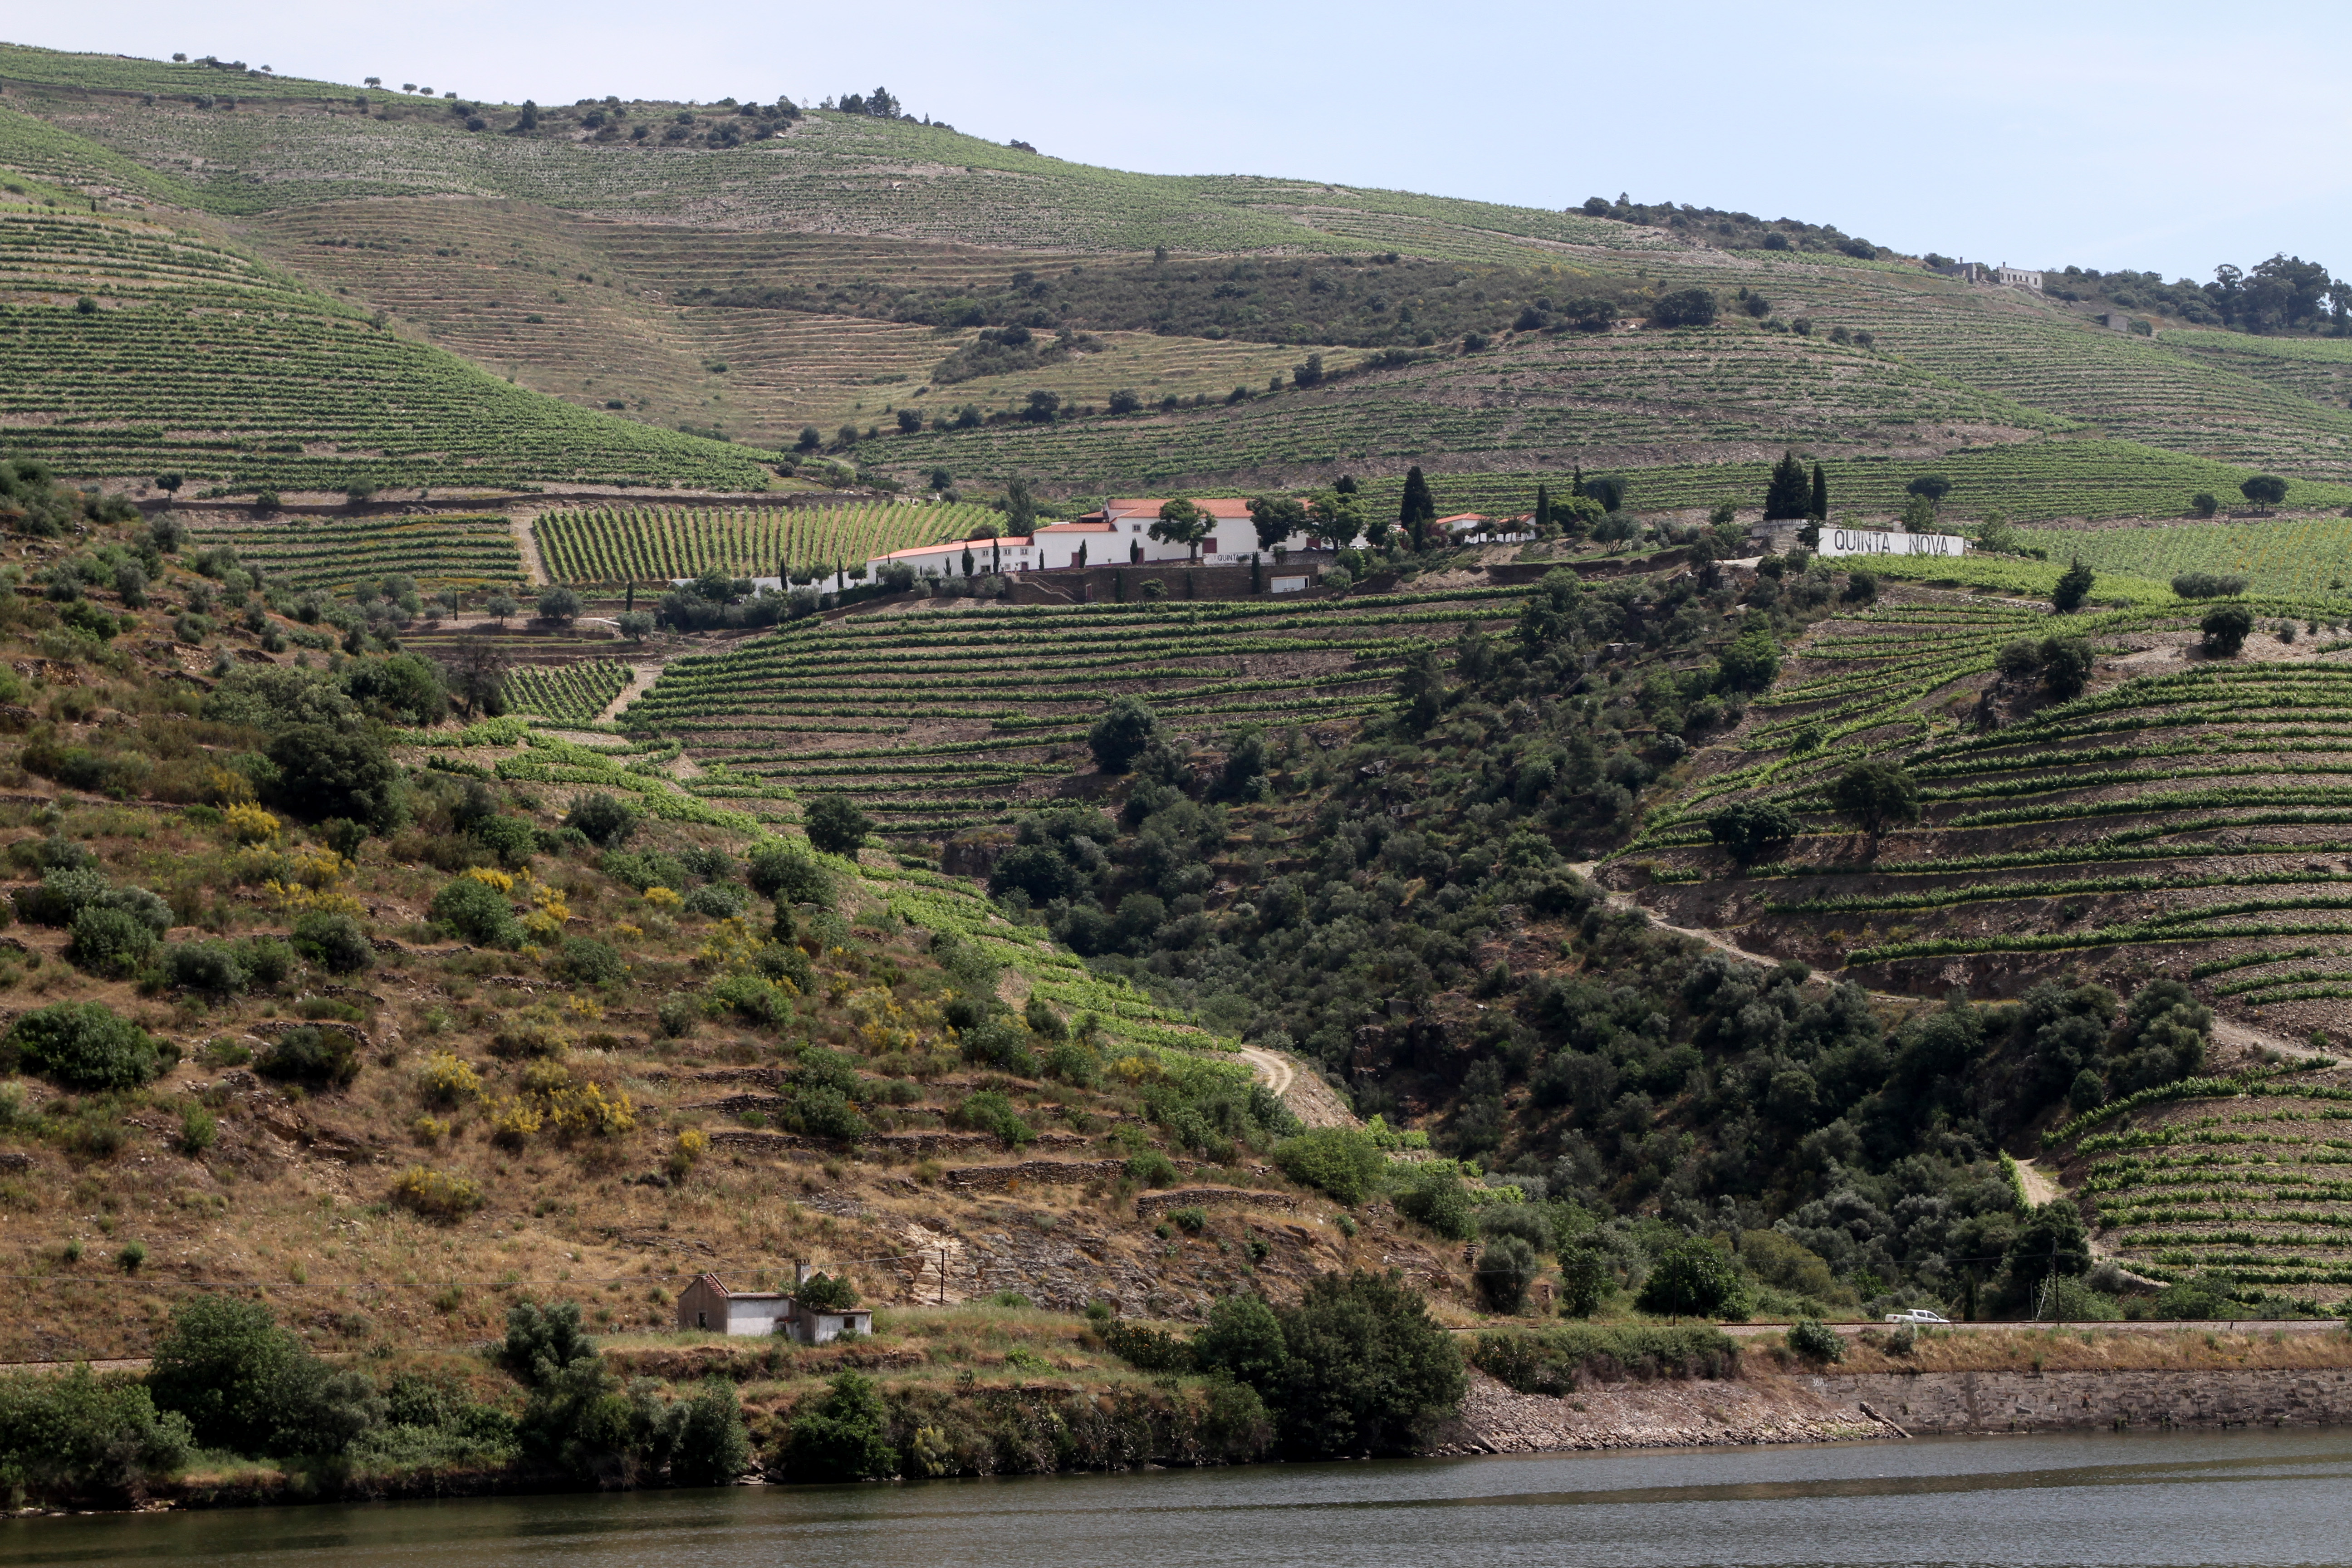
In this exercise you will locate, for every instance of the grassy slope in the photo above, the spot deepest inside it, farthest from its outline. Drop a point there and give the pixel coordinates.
(279, 159)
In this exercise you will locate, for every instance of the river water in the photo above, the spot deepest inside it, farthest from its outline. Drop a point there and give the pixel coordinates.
(2271, 1499)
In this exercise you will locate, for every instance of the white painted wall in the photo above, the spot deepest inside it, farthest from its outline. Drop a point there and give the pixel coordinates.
(1875, 541)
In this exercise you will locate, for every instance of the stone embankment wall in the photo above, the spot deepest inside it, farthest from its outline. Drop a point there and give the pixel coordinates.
(1940, 1402)
(1768, 1407)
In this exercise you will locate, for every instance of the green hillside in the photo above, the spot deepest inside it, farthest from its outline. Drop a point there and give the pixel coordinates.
(738, 271)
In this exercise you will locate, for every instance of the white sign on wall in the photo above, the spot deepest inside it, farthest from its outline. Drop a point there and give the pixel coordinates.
(1877, 542)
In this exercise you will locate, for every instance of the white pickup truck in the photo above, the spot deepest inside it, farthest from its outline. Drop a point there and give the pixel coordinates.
(1917, 1315)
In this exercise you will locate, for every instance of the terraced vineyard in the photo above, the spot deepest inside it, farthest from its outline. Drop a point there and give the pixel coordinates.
(437, 552)
(2185, 815)
(941, 719)
(570, 693)
(1636, 399)
(2294, 556)
(2073, 478)
(2255, 1184)
(655, 544)
(192, 358)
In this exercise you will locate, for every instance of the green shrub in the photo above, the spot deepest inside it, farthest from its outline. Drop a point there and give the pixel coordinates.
(1816, 1340)
(198, 1130)
(716, 901)
(1586, 1279)
(1074, 1062)
(77, 1436)
(836, 825)
(1243, 1341)
(999, 1043)
(2225, 628)
(327, 771)
(1125, 728)
(844, 1436)
(82, 1045)
(335, 942)
(822, 1292)
(1553, 1361)
(1148, 1349)
(541, 1340)
(751, 997)
(109, 942)
(1437, 1200)
(1190, 1221)
(1366, 1370)
(704, 1438)
(587, 962)
(247, 1386)
(215, 968)
(1152, 1169)
(477, 911)
(1340, 1160)
(1755, 830)
(989, 1112)
(510, 838)
(605, 819)
(1507, 1267)
(321, 1057)
(1694, 1278)
(785, 872)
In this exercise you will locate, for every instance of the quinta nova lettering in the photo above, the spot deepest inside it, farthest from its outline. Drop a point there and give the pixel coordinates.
(1873, 542)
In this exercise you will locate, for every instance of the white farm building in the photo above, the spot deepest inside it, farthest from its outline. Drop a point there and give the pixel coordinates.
(1120, 534)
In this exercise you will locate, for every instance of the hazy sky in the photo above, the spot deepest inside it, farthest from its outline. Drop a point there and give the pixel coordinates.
(2150, 135)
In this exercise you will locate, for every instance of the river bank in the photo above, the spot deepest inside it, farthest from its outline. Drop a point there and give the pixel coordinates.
(1048, 1397)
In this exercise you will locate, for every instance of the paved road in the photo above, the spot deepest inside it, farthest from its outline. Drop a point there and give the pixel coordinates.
(2236, 1326)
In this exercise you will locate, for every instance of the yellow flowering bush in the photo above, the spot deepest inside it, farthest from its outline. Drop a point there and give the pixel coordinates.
(445, 1079)
(662, 897)
(249, 824)
(435, 1195)
(513, 1121)
(491, 876)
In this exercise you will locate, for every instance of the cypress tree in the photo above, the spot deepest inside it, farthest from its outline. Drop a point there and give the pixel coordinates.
(1419, 507)
(1789, 492)
(632, 602)
(1819, 510)
(1543, 509)
(1576, 487)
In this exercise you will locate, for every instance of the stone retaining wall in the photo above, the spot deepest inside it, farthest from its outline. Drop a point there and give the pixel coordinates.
(1200, 1197)
(1042, 1172)
(1941, 1402)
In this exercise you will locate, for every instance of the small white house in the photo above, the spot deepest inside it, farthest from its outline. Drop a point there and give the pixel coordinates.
(814, 1328)
(708, 1305)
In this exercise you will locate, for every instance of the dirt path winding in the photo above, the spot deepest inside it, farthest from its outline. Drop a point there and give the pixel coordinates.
(1311, 1100)
(1715, 940)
